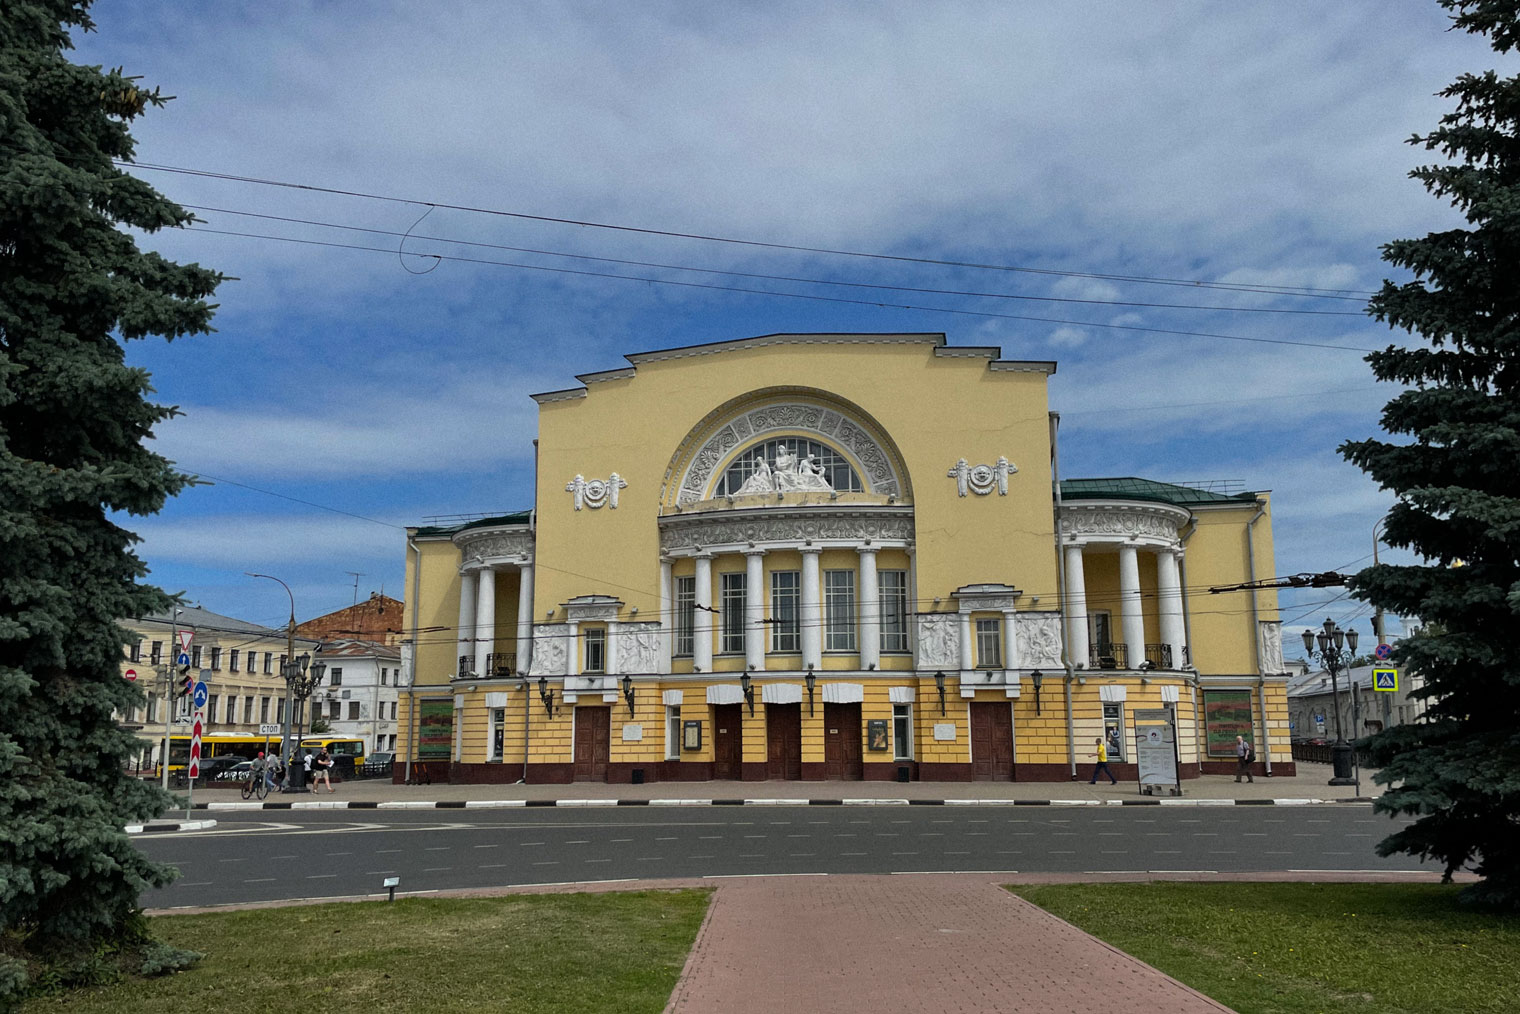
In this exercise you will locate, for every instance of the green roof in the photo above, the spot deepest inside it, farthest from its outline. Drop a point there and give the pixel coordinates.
(519, 518)
(1131, 488)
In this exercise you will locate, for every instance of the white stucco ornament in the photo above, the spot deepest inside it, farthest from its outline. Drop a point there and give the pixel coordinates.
(594, 493)
(791, 474)
(982, 479)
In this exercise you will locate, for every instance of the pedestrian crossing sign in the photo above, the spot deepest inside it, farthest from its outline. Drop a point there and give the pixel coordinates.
(1385, 679)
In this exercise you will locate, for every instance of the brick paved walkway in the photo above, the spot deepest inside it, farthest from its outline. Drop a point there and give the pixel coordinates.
(940, 943)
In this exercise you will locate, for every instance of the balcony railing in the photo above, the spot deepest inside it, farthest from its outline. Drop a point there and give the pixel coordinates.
(466, 665)
(501, 664)
(1107, 656)
(1159, 655)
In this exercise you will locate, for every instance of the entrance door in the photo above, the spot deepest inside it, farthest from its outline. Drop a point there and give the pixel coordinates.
(593, 743)
(841, 742)
(991, 742)
(783, 740)
(728, 741)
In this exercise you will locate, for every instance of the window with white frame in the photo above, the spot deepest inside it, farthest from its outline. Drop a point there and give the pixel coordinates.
(335, 676)
(731, 608)
(673, 732)
(892, 588)
(384, 675)
(686, 616)
(269, 662)
(135, 652)
(498, 733)
(334, 710)
(248, 710)
(839, 610)
(353, 711)
(596, 649)
(1113, 730)
(989, 644)
(156, 655)
(263, 709)
(232, 660)
(786, 608)
(210, 709)
(216, 659)
(195, 656)
(902, 731)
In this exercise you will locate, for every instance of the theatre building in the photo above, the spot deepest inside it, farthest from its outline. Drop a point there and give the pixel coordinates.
(833, 556)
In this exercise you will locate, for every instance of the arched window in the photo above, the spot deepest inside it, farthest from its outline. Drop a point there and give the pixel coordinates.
(788, 464)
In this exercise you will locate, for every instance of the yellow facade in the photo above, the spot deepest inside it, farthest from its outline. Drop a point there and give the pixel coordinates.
(777, 557)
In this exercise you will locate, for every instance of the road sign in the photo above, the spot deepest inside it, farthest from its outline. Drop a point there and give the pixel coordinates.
(182, 659)
(1385, 679)
(199, 695)
(130, 674)
(195, 741)
(185, 637)
(1382, 651)
(269, 729)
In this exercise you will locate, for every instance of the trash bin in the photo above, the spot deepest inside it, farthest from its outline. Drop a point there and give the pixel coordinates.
(904, 773)
(638, 776)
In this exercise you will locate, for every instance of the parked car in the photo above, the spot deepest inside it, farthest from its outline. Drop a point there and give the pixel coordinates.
(212, 767)
(234, 772)
(381, 757)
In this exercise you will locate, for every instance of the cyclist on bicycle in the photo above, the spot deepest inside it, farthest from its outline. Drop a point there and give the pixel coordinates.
(256, 770)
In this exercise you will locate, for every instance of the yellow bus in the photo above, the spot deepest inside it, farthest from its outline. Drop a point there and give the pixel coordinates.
(338, 746)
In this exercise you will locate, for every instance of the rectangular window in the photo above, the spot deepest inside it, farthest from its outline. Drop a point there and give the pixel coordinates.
(839, 610)
(596, 650)
(989, 644)
(279, 710)
(335, 676)
(216, 659)
(248, 710)
(353, 711)
(263, 709)
(892, 587)
(732, 609)
(267, 668)
(393, 711)
(157, 654)
(686, 615)
(211, 710)
(1113, 730)
(673, 732)
(195, 656)
(334, 710)
(135, 652)
(902, 731)
(384, 675)
(232, 660)
(498, 733)
(786, 609)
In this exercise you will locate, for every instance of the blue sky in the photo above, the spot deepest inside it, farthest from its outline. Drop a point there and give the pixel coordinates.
(1250, 144)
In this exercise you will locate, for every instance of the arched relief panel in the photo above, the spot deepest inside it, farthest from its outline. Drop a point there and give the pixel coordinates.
(733, 427)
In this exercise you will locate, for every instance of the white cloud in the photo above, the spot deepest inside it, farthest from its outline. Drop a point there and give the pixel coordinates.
(243, 542)
(1067, 337)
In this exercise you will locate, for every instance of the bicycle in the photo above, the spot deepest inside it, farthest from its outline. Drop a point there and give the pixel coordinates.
(255, 785)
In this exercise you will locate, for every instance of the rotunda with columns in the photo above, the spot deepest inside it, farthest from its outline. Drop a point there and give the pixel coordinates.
(833, 556)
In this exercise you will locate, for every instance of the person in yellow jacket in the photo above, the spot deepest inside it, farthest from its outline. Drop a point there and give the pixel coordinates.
(1102, 766)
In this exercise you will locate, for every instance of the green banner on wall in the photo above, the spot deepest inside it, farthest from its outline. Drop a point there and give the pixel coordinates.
(435, 738)
(1226, 714)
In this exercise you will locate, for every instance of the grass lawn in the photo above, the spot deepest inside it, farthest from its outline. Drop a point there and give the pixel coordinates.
(619, 951)
(1307, 948)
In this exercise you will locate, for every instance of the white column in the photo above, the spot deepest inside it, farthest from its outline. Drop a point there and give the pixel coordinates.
(702, 623)
(968, 661)
(1076, 608)
(466, 632)
(524, 616)
(754, 609)
(485, 618)
(870, 609)
(812, 608)
(667, 614)
(573, 648)
(1129, 606)
(1010, 639)
(1169, 603)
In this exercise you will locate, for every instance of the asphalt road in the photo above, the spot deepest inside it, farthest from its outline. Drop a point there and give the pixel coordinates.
(258, 856)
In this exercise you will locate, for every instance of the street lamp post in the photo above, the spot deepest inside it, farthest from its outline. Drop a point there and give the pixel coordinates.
(300, 681)
(298, 686)
(1336, 649)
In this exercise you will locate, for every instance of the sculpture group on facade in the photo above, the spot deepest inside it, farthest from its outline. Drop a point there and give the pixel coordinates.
(791, 474)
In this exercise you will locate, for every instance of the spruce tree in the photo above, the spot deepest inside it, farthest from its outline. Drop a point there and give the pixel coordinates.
(74, 287)
(1456, 474)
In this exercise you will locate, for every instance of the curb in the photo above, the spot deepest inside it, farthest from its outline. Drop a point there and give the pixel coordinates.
(184, 825)
(505, 804)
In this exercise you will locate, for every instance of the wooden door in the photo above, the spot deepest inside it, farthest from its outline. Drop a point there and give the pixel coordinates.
(593, 743)
(783, 740)
(991, 742)
(841, 743)
(728, 741)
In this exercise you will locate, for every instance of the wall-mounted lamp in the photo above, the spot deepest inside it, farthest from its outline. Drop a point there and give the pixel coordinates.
(1082, 680)
(696, 668)
(549, 615)
(1037, 678)
(1145, 681)
(748, 686)
(939, 684)
(546, 695)
(811, 681)
(871, 667)
(628, 692)
(634, 611)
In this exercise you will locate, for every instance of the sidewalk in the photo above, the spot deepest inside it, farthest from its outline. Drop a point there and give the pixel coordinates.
(953, 944)
(1309, 785)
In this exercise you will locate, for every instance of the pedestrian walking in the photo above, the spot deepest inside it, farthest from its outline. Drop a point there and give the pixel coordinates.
(1102, 765)
(320, 767)
(306, 770)
(273, 770)
(1245, 756)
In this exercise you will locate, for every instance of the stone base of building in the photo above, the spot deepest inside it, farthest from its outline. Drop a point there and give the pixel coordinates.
(1280, 769)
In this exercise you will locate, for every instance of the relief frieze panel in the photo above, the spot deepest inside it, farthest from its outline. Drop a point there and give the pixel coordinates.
(679, 534)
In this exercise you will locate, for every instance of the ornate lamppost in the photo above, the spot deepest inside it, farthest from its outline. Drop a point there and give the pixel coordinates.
(1336, 649)
(300, 682)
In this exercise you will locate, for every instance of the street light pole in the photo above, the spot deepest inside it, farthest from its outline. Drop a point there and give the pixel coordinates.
(290, 656)
(1377, 613)
(1337, 647)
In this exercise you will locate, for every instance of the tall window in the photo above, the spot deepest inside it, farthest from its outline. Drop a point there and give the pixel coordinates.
(686, 615)
(263, 709)
(732, 609)
(384, 675)
(157, 654)
(353, 711)
(211, 710)
(248, 710)
(216, 659)
(989, 644)
(136, 651)
(786, 607)
(195, 656)
(673, 732)
(893, 588)
(498, 733)
(335, 676)
(596, 649)
(279, 710)
(839, 610)
(902, 731)
(1113, 730)
(232, 659)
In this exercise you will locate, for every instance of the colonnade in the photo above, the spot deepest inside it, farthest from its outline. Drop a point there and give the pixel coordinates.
(477, 615)
(1131, 632)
